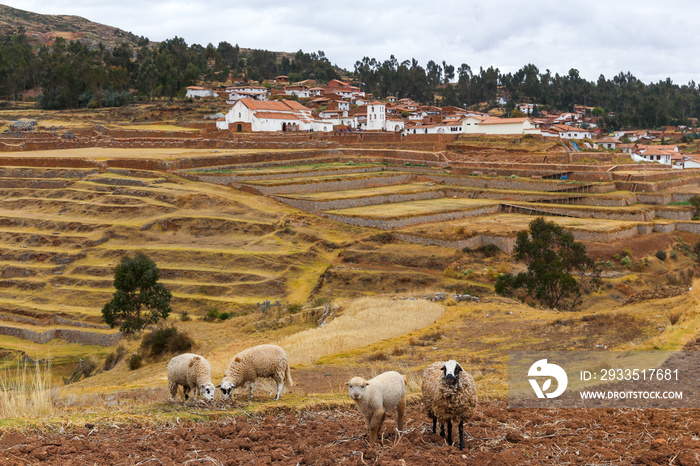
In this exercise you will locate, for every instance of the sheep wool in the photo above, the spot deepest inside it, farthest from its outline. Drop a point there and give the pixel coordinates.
(193, 372)
(257, 362)
(449, 394)
(375, 397)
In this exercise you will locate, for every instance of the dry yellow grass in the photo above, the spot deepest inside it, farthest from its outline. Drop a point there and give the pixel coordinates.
(26, 391)
(366, 321)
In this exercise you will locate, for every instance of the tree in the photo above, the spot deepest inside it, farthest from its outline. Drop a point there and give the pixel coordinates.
(139, 300)
(551, 255)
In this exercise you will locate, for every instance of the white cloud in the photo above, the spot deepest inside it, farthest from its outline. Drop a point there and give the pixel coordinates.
(652, 41)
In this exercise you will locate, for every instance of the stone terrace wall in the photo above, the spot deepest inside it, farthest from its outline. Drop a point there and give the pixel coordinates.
(404, 222)
(313, 187)
(74, 336)
(504, 243)
(316, 206)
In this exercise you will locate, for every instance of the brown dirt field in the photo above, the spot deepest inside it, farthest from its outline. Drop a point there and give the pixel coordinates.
(497, 436)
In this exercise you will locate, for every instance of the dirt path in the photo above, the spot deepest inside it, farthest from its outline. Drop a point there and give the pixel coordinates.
(499, 437)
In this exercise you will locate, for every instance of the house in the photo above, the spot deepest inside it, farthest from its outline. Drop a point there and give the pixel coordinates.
(607, 143)
(255, 115)
(300, 91)
(566, 132)
(659, 154)
(282, 79)
(198, 92)
(246, 92)
(376, 116)
(500, 126)
(451, 126)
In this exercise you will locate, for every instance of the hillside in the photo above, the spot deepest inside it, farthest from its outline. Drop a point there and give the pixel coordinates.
(44, 29)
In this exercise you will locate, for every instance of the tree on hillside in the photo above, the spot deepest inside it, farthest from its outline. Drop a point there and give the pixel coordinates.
(139, 300)
(552, 256)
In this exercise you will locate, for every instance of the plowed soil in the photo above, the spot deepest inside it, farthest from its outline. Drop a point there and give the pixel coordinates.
(497, 436)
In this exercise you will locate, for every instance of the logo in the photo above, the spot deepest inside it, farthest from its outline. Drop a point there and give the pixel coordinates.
(543, 369)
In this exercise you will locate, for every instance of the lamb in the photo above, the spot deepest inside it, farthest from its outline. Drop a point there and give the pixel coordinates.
(449, 394)
(258, 361)
(193, 372)
(375, 397)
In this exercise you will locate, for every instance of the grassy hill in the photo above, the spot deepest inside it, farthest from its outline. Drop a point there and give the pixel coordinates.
(44, 29)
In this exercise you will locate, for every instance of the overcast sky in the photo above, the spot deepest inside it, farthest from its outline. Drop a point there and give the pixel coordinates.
(651, 39)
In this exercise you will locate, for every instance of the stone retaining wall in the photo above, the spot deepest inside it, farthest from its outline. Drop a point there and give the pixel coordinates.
(405, 222)
(319, 186)
(316, 206)
(504, 243)
(74, 336)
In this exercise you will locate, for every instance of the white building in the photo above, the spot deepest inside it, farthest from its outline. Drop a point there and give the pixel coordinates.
(566, 132)
(659, 154)
(246, 92)
(198, 92)
(254, 115)
(498, 126)
(376, 117)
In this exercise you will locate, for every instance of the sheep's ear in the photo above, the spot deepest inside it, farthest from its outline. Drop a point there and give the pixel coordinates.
(366, 383)
(347, 384)
(237, 359)
(218, 386)
(444, 368)
(458, 369)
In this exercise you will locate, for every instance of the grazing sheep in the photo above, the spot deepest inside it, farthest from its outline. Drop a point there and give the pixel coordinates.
(374, 397)
(193, 372)
(449, 394)
(259, 361)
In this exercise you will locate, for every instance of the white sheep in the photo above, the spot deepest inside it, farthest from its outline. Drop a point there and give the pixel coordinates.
(449, 394)
(193, 372)
(375, 397)
(257, 362)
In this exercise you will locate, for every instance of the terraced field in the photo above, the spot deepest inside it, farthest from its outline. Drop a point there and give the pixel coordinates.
(62, 231)
(285, 230)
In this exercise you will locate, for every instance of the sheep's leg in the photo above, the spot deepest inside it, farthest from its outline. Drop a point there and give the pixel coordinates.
(279, 390)
(400, 409)
(252, 387)
(434, 418)
(173, 390)
(375, 425)
(442, 429)
(449, 432)
(461, 435)
(186, 391)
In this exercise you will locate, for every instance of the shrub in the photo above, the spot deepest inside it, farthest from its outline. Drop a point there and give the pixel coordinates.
(135, 361)
(294, 307)
(626, 261)
(225, 316)
(113, 358)
(166, 340)
(616, 257)
(661, 255)
(674, 255)
(489, 249)
(626, 252)
(185, 317)
(212, 314)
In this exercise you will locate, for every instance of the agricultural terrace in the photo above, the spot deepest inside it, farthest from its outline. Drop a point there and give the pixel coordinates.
(292, 246)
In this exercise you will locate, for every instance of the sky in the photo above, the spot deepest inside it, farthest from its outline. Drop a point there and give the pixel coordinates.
(653, 40)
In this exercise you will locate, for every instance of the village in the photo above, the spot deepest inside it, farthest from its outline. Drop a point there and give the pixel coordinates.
(338, 106)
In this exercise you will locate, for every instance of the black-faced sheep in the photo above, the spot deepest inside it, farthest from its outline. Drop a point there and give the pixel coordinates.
(257, 362)
(193, 372)
(449, 394)
(375, 397)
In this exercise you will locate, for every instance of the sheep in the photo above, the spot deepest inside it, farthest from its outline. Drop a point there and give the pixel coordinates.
(449, 394)
(258, 361)
(193, 372)
(374, 397)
